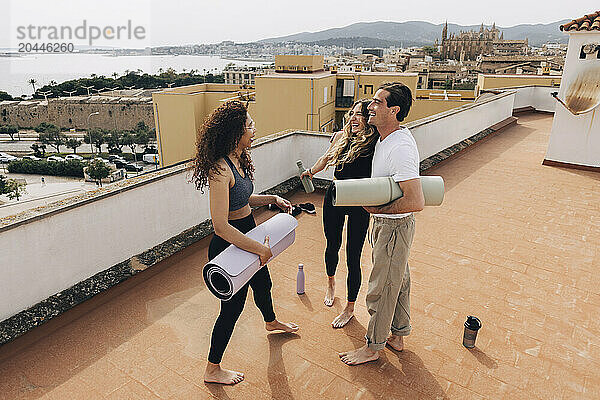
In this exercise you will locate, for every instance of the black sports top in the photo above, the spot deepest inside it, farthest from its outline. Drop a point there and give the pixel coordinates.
(240, 192)
(359, 168)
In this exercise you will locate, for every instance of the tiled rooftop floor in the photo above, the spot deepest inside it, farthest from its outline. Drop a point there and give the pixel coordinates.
(515, 243)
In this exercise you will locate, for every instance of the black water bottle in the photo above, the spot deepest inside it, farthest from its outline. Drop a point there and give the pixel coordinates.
(472, 326)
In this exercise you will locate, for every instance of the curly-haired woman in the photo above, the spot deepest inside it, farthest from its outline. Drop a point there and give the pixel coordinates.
(223, 163)
(351, 152)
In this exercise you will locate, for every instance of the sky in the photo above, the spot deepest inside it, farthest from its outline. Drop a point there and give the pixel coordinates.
(176, 22)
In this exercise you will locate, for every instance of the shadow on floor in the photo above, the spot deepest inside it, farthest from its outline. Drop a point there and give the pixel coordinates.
(276, 373)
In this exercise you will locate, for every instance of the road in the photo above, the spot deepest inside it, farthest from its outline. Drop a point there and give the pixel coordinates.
(39, 194)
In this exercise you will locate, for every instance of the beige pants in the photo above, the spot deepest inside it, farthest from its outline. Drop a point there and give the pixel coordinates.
(388, 299)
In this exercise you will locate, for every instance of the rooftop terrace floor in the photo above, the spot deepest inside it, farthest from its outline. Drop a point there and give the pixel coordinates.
(515, 243)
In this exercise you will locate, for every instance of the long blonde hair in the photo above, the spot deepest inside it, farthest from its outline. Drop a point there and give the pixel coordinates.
(361, 143)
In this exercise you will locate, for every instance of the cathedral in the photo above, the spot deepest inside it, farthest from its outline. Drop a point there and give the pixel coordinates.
(470, 45)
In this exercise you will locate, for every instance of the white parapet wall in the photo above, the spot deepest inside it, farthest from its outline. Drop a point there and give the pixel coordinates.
(440, 131)
(54, 252)
(52, 249)
(538, 97)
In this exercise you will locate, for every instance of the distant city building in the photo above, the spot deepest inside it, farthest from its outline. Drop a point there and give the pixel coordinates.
(470, 45)
(235, 75)
(537, 65)
(298, 64)
(375, 52)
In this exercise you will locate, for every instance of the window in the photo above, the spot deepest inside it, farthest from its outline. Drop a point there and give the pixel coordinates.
(368, 89)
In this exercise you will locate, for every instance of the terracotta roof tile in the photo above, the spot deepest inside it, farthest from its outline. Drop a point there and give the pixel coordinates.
(588, 22)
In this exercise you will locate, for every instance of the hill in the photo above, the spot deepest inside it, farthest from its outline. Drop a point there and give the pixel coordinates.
(420, 33)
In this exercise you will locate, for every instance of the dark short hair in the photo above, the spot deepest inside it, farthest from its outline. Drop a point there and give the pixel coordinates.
(398, 95)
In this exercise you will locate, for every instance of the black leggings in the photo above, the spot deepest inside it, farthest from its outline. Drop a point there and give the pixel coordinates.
(333, 223)
(231, 309)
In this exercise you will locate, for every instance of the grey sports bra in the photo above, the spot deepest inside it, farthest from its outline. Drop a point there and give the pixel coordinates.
(241, 190)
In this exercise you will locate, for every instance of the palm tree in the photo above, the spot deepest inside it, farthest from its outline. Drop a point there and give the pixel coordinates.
(32, 82)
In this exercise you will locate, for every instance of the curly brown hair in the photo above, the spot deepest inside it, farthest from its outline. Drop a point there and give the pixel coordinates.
(218, 137)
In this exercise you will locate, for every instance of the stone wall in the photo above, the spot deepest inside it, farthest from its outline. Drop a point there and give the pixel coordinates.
(73, 112)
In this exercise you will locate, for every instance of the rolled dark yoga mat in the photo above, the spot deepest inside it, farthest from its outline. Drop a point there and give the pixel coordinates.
(228, 272)
(382, 190)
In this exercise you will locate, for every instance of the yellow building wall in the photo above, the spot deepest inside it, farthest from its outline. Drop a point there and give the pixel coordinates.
(179, 112)
(285, 61)
(176, 122)
(422, 108)
(289, 103)
(506, 81)
(375, 80)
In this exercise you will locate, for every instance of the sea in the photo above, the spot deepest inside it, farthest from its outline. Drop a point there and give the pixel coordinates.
(17, 71)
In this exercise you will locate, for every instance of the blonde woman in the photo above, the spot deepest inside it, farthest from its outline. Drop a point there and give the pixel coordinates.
(351, 152)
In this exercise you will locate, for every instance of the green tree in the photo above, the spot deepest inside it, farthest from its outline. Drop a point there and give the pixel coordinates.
(10, 130)
(5, 96)
(39, 149)
(142, 138)
(53, 137)
(32, 82)
(3, 184)
(114, 140)
(128, 140)
(141, 126)
(73, 143)
(15, 189)
(97, 137)
(43, 127)
(98, 170)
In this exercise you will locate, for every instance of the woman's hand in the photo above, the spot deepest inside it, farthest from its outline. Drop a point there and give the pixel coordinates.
(306, 173)
(266, 254)
(284, 204)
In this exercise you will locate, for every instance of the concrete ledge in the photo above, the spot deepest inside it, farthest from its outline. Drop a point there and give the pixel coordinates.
(521, 110)
(462, 145)
(560, 164)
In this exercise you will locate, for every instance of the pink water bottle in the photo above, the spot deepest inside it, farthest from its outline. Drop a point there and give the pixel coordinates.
(300, 279)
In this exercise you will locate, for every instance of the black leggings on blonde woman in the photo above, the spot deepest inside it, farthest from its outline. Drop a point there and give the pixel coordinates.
(333, 223)
(231, 310)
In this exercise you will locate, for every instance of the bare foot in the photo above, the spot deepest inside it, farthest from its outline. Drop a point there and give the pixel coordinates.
(346, 315)
(396, 342)
(288, 327)
(330, 295)
(215, 374)
(359, 356)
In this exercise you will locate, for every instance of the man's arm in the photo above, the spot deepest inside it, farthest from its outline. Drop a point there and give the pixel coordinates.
(411, 201)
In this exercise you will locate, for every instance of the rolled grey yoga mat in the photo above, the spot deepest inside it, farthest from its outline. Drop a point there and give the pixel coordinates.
(382, 190)
(228, 272)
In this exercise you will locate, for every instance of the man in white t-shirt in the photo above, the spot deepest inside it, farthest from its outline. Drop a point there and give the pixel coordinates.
(396, 155)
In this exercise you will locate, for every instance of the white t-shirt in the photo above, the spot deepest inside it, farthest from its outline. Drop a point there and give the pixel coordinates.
(396, 156)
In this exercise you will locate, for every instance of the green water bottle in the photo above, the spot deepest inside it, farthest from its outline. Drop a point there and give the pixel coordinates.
(306, 181)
